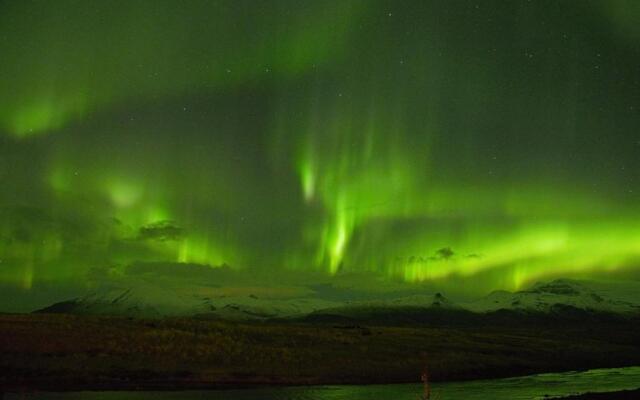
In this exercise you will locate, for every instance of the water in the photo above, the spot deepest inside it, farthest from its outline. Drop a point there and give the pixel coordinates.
(520, 388)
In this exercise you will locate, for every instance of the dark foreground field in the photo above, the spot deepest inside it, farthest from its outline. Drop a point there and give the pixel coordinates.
(63, 352)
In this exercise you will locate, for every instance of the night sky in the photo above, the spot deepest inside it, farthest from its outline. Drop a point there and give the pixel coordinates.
(463, 145)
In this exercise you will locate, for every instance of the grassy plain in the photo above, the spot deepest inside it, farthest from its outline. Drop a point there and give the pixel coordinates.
(67, 352)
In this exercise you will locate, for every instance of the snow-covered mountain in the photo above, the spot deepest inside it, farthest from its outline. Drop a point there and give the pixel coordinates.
(150, 300)
(137, 300)
(254, 307)
(437, 300)
(615, 297)
(141, 299)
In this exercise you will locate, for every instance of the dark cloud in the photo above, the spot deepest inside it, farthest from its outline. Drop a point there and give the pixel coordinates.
(161, 231)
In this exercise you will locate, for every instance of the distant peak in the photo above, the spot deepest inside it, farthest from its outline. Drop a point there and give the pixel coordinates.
(440, 301)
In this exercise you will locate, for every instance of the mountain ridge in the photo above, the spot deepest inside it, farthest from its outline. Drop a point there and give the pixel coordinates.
(562, 297)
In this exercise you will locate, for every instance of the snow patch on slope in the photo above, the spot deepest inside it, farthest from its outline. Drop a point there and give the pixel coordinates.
(545, 297)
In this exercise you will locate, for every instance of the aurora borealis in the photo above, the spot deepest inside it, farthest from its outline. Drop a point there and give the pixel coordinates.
(473, 145)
